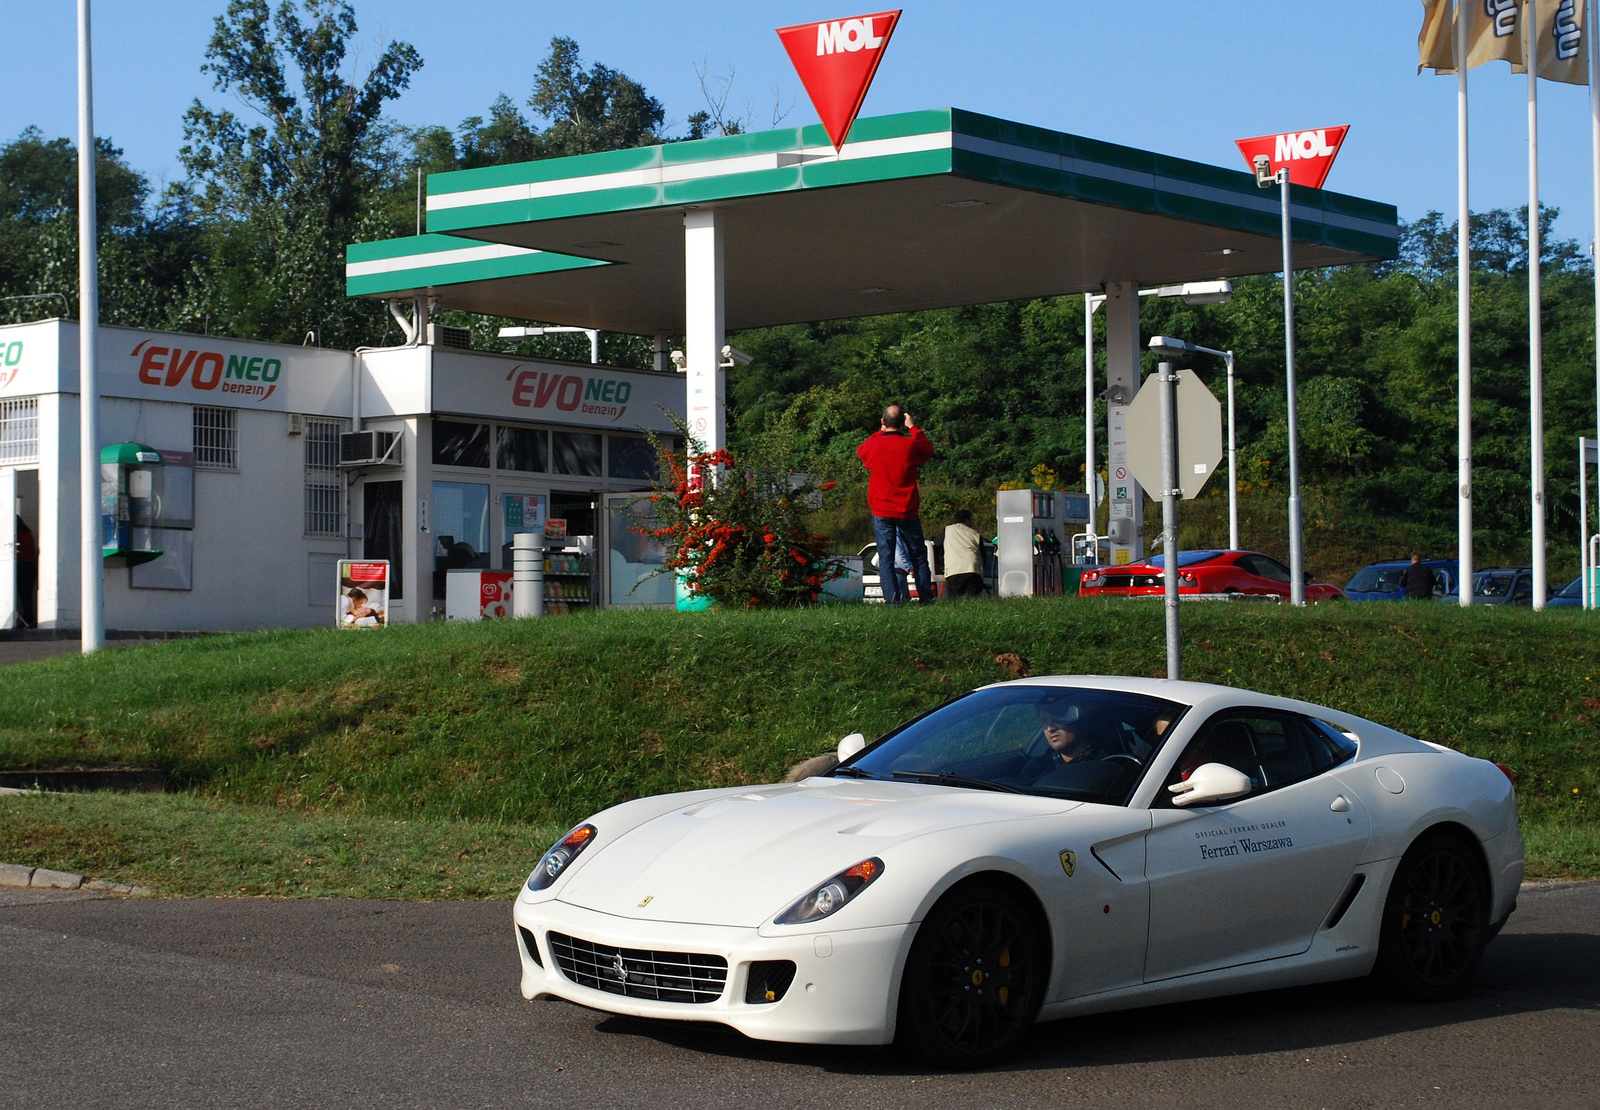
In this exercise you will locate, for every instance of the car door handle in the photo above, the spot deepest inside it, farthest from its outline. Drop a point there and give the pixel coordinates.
(1341, 804)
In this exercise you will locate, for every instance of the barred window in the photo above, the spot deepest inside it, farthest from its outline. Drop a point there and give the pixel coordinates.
(19, 430)
(324, 484)
(216, 438)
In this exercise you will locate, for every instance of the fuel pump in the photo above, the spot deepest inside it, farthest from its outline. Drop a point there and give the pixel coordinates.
(1035, 530)
(129, 502)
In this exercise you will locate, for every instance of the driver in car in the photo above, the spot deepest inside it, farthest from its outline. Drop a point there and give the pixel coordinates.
(1067, 731)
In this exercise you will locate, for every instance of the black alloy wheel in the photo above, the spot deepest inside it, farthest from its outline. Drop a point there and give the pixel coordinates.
(974, 980)
(1435, 921)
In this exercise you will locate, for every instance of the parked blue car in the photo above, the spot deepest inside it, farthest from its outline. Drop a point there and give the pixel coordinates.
(1570, 597)
(1381, 581)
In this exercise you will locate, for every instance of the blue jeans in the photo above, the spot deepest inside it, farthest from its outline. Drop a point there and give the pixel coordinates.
(890, 532)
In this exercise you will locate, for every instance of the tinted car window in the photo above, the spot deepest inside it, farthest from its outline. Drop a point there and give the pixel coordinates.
(1263, 567)
(1376, 580)
(1272, 750)
(998, 737)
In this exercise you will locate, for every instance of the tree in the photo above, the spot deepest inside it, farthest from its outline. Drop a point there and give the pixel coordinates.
(590, 110)
(281, 198)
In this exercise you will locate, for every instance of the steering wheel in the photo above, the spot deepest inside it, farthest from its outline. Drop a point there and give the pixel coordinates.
(1124, 756)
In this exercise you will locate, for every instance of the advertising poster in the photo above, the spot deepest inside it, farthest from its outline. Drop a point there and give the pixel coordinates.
(494, 595)
(555, 528)
(363, 593)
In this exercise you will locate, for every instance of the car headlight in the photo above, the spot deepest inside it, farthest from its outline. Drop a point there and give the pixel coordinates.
(831, 895)
(560, 857)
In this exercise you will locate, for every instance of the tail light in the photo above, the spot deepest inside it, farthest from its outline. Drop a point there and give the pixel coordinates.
(1092, 578)
(1186, 579)
(1508, 772)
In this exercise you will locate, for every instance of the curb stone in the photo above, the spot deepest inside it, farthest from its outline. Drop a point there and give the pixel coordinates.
(42, 878)
(14, 874)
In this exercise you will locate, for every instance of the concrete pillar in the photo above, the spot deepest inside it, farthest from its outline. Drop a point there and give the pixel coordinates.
(704, 333)
(527, 574)
(1123, 381)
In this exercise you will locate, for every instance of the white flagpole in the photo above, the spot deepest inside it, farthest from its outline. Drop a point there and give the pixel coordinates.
(1594, 154)
(1530, 48)
(1089, 471)
(1463, 323)
(93, 611)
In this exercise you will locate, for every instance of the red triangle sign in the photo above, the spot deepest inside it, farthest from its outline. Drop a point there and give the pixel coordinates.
(836, 60)
(1308, 154)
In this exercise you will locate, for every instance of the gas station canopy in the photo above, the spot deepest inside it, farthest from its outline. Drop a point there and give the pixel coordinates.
(919, 210)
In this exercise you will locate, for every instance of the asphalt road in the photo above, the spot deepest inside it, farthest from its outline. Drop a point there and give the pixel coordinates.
(123, 1003)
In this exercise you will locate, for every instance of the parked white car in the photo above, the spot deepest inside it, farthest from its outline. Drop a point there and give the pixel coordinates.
(1028, 851)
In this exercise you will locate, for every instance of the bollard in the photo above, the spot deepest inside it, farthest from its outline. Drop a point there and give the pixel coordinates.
(527, 574)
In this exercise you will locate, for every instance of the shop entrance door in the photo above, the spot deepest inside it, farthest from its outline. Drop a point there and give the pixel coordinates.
(9, 617)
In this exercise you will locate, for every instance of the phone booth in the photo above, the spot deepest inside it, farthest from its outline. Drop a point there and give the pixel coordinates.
(129, 502)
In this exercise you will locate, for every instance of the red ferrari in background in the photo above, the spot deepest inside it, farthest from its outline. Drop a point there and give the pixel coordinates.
(1203, 572)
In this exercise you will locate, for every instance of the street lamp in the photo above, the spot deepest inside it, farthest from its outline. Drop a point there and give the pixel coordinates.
(1193, 293)
(1167, 345)
(524, 333)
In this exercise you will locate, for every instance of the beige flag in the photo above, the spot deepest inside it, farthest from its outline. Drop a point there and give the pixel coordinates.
(1494, 32)
(1563, 49)
(1436, 41)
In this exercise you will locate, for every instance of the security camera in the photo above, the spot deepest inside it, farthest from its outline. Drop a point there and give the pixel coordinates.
(679, 361)
(732, 356)
(1264, 175)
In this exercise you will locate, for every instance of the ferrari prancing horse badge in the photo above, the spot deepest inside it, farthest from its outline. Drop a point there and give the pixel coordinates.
(1069, 862)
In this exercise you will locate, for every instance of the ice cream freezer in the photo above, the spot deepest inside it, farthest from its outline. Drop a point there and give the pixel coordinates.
(475, 595)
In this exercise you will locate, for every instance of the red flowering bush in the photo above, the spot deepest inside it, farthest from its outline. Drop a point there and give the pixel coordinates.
(735, 523)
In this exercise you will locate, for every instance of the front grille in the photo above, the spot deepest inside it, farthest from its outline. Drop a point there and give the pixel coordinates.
(769, 980)
(636, 973)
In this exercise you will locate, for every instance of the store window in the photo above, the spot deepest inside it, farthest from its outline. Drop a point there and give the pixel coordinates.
(324, 484)
(576, 453)
(216, 438)
(632, 457)
(457, 444)
(520, 449)
(19, 430)
(460, 530)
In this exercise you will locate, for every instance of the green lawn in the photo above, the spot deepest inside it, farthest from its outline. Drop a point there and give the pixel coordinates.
(392, 753)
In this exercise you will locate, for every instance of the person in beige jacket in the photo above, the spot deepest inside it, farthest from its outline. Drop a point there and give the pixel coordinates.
(963, 569)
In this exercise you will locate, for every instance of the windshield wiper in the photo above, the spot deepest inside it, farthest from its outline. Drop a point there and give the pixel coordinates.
(852, 773)
(949, 778)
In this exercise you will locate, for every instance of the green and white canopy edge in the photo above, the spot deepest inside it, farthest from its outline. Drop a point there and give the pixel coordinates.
(919, 210)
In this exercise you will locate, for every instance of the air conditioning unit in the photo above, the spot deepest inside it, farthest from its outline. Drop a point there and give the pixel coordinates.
(440, 335)
(369, 449)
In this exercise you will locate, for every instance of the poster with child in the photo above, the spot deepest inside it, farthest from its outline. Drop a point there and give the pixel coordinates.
(363, 593)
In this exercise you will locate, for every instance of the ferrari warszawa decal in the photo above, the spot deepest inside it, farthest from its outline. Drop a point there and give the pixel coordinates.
(1242, 845)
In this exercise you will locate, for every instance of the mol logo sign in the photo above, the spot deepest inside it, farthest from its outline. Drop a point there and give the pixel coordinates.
(543, 389)
(836, 60)
(1308, 155)
(250, 376)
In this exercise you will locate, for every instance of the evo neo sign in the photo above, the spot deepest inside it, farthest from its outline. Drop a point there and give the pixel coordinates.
(10, 362)
(542, 389)
(170, 367)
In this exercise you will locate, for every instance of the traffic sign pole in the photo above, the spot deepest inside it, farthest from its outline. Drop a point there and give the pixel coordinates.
(1167, 377)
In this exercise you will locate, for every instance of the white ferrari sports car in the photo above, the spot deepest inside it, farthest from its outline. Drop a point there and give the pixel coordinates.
(1031, 850)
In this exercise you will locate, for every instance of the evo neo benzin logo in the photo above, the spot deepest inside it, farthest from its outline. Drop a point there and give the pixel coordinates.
(10, 362)
(252, 376)
(539, 389)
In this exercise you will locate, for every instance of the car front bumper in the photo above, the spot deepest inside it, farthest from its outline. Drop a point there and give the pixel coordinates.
(844, 989)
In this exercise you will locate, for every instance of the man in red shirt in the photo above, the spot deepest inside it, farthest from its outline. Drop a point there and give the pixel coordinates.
(893, 456)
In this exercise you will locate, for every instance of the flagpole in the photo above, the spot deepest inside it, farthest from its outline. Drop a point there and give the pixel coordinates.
(1530, 49)
(1463, 325)
(1594, 155)
(91, 569)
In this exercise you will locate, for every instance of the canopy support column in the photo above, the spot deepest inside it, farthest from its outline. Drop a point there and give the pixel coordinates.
(704, 331)
(1126, 500)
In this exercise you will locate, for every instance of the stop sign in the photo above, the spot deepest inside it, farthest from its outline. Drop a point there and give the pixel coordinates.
(1199, 435)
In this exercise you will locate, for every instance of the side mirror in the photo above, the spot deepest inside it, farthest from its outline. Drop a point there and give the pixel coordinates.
(1210, 783)
(850, 745)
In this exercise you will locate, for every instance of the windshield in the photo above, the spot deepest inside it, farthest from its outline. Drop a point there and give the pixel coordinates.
(1490, 584)
(1056, 741)
(1573, 589)
(1376, 580)
(1185, 558)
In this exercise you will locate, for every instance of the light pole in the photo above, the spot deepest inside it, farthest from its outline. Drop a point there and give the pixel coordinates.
(1265, 179)
(1193, 293)
(525, 333)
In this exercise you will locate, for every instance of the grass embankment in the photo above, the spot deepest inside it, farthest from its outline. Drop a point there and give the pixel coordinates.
(439, 760)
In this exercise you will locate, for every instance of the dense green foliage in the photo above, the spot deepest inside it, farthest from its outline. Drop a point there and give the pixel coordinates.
(544, 722)
(251, 243)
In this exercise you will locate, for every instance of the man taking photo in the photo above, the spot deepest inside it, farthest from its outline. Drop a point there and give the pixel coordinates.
(893, 457)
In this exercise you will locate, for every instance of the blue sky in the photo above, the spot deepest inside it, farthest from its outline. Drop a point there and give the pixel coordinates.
(1182, 77)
